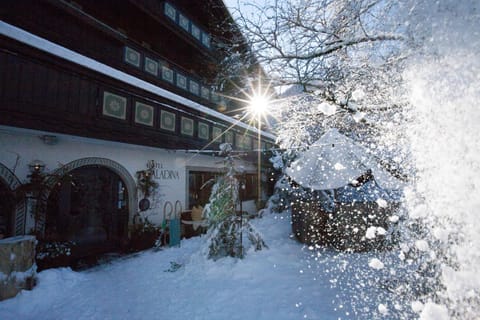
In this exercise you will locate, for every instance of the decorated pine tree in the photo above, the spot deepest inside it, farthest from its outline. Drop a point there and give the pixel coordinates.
(229, 233)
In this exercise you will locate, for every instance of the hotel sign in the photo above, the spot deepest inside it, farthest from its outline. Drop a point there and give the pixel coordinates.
(161, 173)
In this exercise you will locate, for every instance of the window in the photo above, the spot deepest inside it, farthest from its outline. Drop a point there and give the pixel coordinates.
(170, 11)
(144, 114)
(217, 134)
(206, 40)
(114, 106)
(187, 25)
(229, 137)
(200, 187)
(184, 22)
(196, 32)
(203, 131)
(167, 74)
(151, 66)
(181, 81)
(215, 98)
(187, 126)
(254, 144)
(167, 120)
(243, 142)
(132, 57)
(194, 87)
(205, 93)
(247, 143)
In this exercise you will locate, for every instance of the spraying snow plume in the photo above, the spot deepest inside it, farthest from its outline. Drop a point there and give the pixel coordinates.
(444, 90)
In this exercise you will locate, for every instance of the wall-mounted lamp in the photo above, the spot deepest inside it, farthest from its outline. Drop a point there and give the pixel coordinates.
(36, 166)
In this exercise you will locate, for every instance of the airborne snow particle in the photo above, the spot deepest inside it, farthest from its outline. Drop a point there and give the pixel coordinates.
(382, 203)
(433, 311)
(339, 166)
(381, 231)
(422, 245)
(404, 247)
(382, 309)
(327, 108)
(417, 306)
(376, 264)
(358, 94)
(441, 234)
(371, 231)
(393, 218)
(419, 212)
(358, 116)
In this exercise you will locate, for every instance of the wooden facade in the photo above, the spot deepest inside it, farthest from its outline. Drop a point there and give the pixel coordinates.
(123, 85)
(41, 91)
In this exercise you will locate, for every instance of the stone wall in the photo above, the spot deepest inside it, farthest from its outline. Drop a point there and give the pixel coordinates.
(17, 265)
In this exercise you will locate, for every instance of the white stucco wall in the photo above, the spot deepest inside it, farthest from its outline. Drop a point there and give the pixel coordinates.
(18, 147)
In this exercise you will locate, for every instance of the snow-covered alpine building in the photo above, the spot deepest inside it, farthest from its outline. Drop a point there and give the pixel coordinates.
(94, 94)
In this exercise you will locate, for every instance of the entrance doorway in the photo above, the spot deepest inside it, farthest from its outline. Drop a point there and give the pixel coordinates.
(7, 205)
(89, 207)
(199, 187)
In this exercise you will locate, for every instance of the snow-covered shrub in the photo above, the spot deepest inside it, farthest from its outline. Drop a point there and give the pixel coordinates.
(223, 198)
(227, 229)
(226, 238)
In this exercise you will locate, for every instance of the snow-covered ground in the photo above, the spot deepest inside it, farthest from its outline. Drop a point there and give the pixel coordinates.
(286, 281)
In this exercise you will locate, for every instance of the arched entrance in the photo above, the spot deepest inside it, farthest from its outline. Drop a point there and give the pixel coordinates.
(85, 206)
(88, 206)
(12, 205)
(7, 206)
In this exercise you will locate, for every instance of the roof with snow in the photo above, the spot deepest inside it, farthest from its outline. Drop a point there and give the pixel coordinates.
(334, 161)
(23, 36)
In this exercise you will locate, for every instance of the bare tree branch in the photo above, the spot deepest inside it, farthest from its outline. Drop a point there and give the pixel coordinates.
(340, 44)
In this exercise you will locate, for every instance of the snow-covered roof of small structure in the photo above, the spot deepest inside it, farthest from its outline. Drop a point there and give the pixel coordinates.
(334, 161)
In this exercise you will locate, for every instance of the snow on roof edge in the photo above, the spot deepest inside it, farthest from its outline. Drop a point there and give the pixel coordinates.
(30, 39)
(355, 155)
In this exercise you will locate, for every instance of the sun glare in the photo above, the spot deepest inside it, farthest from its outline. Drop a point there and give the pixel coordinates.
(258, 104)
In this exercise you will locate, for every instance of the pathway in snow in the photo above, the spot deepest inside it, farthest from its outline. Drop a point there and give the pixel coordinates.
(287, 281)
